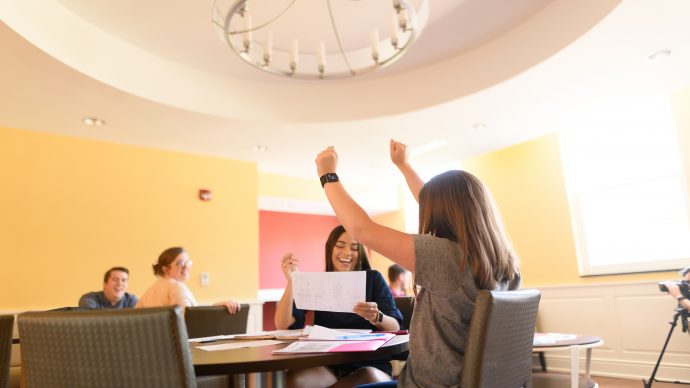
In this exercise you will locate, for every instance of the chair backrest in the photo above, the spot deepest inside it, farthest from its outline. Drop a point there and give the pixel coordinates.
(406, 306)
(208, 321)
(106, 348)
(498, 352)
(6, 326)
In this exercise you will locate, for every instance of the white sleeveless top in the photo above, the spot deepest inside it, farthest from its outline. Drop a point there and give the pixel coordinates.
(167, 292)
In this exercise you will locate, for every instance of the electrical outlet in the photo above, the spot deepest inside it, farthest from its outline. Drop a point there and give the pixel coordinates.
(204, 279)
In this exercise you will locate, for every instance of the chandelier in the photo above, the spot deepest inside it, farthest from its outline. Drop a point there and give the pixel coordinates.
(319, 39)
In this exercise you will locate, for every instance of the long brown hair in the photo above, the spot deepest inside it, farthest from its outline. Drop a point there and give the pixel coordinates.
(362, 257)
(456, 206)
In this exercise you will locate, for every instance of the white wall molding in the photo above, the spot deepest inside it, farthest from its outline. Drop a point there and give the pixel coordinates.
(255, 320)
(270, 294)
(632, 318)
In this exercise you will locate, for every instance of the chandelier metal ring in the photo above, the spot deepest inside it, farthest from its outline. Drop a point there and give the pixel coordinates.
(234, 20)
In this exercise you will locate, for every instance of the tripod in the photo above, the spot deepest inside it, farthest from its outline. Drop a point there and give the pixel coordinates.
(680, 312)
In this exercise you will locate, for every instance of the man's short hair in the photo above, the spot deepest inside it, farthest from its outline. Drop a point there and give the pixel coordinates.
(394, 271)
(107, 274)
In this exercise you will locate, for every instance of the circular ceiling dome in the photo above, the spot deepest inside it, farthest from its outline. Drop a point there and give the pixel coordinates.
(169, 53)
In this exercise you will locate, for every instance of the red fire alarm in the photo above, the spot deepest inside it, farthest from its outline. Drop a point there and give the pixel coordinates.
(205, 195)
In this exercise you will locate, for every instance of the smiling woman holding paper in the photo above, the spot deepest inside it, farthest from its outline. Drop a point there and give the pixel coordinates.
(377, 312)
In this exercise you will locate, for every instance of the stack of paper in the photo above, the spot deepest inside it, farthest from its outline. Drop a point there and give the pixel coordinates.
(322, 340)
(238, 345)
(275, 334)
(262, 335)
(551, 338)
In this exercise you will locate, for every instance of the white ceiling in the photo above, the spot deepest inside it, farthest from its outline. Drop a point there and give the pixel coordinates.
(158, 74)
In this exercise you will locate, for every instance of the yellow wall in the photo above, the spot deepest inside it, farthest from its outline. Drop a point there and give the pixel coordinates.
(272, 185)
(71, 208)
(527, 183)
(681, 110)
(393, 220)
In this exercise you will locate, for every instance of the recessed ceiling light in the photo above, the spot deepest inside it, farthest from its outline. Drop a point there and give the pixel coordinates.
(260, 148)
(93, 121)
(479, 126)
(659, 55)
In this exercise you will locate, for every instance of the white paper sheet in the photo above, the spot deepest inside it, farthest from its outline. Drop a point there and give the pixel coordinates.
(552, 338)
(274, 334)
(309, 347)
(329, 291)
(320, 333)
(238, 345)
(212, 338)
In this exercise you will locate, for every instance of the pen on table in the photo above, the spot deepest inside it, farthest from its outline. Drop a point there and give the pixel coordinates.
(360, 336)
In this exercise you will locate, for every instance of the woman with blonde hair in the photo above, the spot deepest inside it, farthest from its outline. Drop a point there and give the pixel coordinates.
(173, 269)
(461, 248)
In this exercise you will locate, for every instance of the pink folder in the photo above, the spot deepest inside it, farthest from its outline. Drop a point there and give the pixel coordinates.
(360, 346)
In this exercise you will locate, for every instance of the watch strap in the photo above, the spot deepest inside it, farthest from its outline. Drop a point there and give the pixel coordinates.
(328, 178)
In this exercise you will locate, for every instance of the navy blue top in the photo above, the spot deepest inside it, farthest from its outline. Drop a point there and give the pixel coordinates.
(377, 291)
(97, 300)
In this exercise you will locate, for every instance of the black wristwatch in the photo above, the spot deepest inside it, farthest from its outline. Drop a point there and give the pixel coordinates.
(329, 177)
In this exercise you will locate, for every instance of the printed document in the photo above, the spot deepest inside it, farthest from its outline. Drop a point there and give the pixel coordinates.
(329, 291)
(320, 333)
(238, 345)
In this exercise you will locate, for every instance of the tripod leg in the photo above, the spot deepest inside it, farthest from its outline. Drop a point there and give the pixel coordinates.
(648, 383)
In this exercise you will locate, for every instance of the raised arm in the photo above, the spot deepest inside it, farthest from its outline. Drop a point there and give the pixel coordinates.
(395, 245)
(283, 317)
(399, 158)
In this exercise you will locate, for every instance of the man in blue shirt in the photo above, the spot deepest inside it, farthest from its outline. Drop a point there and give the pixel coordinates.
(113, 295)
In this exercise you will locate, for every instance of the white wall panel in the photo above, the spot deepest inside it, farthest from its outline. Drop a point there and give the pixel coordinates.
(632, 318)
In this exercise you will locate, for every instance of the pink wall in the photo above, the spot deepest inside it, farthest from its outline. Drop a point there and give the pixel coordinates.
(279, 233)
(303, 235)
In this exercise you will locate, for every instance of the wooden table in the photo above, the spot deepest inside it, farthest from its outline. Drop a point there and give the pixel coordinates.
(574, 345)
(261, 359)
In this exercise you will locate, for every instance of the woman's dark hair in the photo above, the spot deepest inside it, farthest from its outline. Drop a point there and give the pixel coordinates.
(394, 271)
(456, 206)
(166, 259)
(362, 257)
